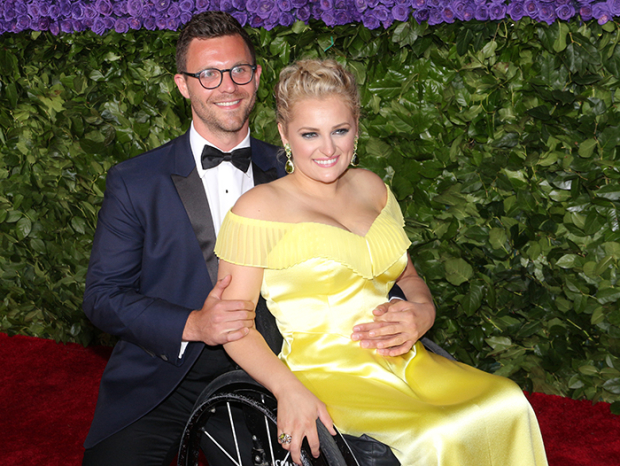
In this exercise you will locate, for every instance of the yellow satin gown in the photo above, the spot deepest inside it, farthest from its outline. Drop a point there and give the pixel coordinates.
(320, 281)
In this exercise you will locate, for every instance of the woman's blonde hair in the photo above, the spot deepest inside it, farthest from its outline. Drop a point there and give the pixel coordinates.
(314, 79)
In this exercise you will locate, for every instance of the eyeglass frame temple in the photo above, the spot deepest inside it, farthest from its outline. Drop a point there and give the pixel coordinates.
(197, 75)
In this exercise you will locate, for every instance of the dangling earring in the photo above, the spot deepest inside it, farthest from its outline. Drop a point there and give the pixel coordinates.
(355, 160)
(288, 167)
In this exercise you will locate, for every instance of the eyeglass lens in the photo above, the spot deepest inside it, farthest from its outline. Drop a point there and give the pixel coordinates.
(212, 78)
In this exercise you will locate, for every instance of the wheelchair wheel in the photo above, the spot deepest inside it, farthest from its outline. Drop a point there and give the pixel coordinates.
(238, 421)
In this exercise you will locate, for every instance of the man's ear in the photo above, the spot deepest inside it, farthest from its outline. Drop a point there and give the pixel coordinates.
(181, 82)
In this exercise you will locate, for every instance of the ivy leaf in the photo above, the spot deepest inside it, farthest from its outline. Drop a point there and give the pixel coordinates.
(458, 271)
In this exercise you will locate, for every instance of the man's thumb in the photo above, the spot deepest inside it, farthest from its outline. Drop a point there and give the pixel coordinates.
(220, 286)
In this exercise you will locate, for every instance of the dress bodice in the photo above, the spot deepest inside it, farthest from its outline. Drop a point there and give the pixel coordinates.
(319, 278)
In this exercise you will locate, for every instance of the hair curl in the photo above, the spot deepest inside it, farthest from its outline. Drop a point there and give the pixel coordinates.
(315, 79)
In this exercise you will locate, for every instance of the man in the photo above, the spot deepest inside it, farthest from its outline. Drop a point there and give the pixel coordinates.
(152, 275)
(152, 263)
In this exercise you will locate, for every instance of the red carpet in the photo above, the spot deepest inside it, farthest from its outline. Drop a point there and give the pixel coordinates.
(48, 393)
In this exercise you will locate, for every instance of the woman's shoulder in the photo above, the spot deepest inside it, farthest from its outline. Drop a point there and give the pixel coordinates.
(259, 203)
(369, 184)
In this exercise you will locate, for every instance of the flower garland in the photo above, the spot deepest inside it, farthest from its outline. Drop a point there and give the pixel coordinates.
(122, 15)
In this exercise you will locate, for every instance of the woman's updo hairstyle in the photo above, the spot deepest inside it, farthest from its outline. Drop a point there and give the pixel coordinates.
(314, 79)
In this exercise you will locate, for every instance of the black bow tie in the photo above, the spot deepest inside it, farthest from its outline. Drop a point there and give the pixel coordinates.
(212, 157)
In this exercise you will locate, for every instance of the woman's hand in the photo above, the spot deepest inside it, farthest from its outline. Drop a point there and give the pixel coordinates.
(298, 410)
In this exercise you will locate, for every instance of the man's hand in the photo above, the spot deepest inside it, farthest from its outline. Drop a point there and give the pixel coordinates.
(397, 326)
(220, 321)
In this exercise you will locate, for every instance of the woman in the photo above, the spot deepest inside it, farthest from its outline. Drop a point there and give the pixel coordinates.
(324, 245)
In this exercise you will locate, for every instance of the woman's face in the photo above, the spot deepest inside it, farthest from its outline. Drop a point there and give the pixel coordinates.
(322, 135)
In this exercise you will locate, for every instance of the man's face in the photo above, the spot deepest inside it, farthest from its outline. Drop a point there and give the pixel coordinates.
(221, 114)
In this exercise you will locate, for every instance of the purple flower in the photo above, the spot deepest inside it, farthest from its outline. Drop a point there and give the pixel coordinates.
(546, 13)
(186, 17)
(482, 13)
(135, 23)
(226, 5)
(44, 9)
(20, 10)
(23, 22)
(361, 5)
(121, 25)
(299, 3)
(458, 6)
(43, 24)
(586, 12)
(65, 8)
(256, 21)
(173, 24)
(286, 19)
(497, 12)
(434, 16)
(161, 22)
(614, 7)
(98, 26)
(265, 8)
(531, 8)
(238, 4)
(421, 15)
(372, 3)
(173, 12)
(77, 11)
(103, 7)
(9, 13)
(447, 14)
(303, 13)
(516, 11)
(34, 9)
(418, 4)
(328, 18)
(369, 20)
(602, 13)
(187, 6)
(89, 12)
(66, 26)
(252, 6)
(161, 5)
(382, 13)
(135, 7)
(565, 12)
(469, 13)
(400, 12)
(55, 29)
(240, 16)
(326, 5)
(202, 5)
(54, 13)
(150, 23)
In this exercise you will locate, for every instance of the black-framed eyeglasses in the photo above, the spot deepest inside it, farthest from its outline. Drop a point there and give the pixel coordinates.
(212, 77)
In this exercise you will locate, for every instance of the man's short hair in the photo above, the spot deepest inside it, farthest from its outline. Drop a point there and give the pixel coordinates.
(210, 25)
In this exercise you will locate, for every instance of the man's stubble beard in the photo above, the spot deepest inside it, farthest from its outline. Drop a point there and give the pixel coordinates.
(224, 126)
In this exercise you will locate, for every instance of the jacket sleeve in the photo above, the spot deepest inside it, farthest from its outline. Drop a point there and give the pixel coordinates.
(112, 298)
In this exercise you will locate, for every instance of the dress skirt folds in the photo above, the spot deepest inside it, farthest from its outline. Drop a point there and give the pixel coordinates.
(320, 281)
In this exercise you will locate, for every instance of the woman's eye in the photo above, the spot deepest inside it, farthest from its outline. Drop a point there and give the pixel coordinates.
(342, 131)
(308, 135)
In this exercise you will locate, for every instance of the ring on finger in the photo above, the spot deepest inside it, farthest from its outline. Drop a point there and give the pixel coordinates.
(284, 438)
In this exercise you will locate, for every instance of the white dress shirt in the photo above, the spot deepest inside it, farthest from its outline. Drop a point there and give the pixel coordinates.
(223, 184)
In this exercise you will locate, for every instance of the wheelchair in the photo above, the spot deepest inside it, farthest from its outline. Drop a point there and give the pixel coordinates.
(237, 418)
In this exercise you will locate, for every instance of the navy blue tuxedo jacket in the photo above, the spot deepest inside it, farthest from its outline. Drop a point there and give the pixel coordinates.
(152, 263)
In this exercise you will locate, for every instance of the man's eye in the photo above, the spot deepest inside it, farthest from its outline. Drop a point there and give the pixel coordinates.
(210, 74)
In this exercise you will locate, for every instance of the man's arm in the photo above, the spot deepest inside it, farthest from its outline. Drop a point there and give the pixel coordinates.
(399, 324)
(112, 300)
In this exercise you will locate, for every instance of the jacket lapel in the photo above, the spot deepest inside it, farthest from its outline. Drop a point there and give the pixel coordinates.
(262, 176)
(192, 194)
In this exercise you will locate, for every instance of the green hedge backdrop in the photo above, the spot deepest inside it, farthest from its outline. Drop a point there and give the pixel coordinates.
(500, 140)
